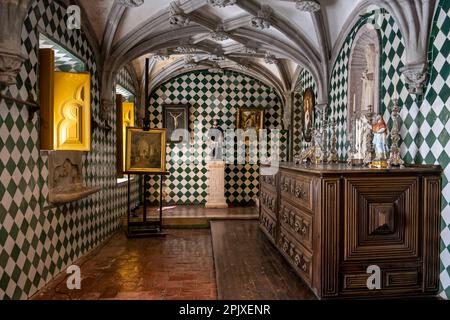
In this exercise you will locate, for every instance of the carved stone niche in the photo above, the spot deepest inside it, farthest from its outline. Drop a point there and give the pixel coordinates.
(65, 177)
(364, 74)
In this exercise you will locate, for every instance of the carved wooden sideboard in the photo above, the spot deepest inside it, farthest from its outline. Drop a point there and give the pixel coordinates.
(331, 222)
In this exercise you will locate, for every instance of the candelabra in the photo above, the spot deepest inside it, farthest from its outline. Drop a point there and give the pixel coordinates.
(395, 157)
(370, 150)
(333, 152)
(324, 145)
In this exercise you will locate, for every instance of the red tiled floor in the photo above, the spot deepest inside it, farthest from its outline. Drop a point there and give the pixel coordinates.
(178, 266)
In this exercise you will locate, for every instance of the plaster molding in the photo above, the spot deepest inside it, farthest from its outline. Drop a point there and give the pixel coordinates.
(263, 17)
(307, 5)
(176, 15)
(131, 3)
(219, 34)
(416, 76)
(221, 3)
(106, 106)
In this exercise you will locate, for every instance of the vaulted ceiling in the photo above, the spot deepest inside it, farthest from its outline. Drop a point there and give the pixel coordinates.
(219, 34)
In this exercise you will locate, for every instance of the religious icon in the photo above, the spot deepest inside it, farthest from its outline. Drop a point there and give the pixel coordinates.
(250, 118)
(176, 122)
(146, 151)
(380, 132)
(308, 114)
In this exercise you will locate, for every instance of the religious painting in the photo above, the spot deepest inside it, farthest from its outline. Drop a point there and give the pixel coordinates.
(308, 114)
(146, 151)
(250, 118)
(176, 122)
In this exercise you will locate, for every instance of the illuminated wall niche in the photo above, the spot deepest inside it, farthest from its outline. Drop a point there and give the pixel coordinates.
(65, 107)
(125, 117)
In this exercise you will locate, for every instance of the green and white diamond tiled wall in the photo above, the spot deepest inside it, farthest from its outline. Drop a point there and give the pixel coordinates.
(432, 122)
(212, 96)
(392, 54)
(425, 127)
(37, 241)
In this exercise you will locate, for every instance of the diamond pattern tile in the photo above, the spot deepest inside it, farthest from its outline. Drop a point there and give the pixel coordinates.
(37, 240)
(211, 96)
(424, 125)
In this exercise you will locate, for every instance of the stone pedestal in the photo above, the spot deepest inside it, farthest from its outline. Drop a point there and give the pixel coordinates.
(216, 185)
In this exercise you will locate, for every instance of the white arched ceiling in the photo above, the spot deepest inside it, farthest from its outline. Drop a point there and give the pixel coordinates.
(297, 39)
(97, 13)
(134, 16)
(336, 13)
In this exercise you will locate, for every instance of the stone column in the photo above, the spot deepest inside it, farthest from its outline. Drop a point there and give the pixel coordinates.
(12, 16)
(216, 185)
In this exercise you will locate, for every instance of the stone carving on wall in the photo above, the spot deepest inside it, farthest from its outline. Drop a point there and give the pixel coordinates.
(415, 76)
(222, 3)
(307, 5)
(176, 15)
(65, 179)
(262, 20)
(270, 58)
(219, 34)
(12, 15)
(105, 109)
(131, 3)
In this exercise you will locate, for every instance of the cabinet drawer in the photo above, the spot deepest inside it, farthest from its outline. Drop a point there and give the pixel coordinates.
(268, 224)
(300, 224)
(268, 202)
(297, 188)
(407, 280)
(296, 254)
(268, 181)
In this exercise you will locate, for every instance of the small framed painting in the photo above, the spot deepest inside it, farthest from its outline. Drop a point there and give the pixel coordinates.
(250, 118)
(145, 151)
(308, 114)
(176, 122)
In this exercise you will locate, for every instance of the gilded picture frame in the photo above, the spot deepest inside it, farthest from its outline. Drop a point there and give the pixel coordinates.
(308, 114)
(250, 118)
(145, 151)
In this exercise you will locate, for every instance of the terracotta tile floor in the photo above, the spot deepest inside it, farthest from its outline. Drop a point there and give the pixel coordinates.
(178, 266)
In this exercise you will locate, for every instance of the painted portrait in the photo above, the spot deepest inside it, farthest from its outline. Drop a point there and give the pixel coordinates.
(250, 118)
(308, 114)
(146, 151)
(176, 117)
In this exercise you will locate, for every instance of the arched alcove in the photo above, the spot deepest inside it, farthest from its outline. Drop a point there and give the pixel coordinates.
(364, 72)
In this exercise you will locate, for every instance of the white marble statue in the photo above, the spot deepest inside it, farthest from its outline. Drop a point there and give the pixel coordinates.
(368, 79)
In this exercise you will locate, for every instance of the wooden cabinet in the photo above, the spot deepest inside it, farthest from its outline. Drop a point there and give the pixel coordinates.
(333, 222)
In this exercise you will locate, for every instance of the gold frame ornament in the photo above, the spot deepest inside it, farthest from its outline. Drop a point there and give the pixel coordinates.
(257, 113)
(141, 154)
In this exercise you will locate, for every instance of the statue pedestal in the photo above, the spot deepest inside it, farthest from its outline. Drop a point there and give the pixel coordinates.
(216, 185)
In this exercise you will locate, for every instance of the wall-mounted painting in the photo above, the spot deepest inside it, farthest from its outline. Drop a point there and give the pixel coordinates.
(146, 151)
(176, 119)
(308, 114)
(250, 118)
